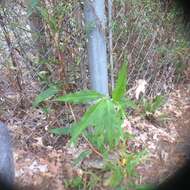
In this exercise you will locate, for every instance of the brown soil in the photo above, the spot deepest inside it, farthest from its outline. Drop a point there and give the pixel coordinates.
(43, 161)
(172, 154)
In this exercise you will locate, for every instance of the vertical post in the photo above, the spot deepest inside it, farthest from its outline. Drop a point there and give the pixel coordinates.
(95, 22)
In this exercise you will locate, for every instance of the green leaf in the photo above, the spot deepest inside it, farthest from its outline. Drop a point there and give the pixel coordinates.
(31, 6)
(61, 131)
(127, 103)
(116, 176)
(157, 103)
(145, 187)
(80, 97)
(88, 119)
(44, 13)
(111, 124)
(48, 93)
(133, 160)
(121, 83)
(150, 106)
(53, 24)
(33, 3)
(106, 126)
(75, 183)
(82, 156)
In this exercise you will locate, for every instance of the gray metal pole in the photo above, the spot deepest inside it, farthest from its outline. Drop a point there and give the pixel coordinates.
(95, 22)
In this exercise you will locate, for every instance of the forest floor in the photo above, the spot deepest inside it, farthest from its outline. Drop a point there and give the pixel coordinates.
(45, 161)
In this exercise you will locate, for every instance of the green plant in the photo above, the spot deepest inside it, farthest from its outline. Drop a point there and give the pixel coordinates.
(78, 183)
(150, 106)
(144, 187)
(51, 91)
(81, 157)
(92, 182)
(123, 170)
(101, 124)
(75, 183)
(104, 116)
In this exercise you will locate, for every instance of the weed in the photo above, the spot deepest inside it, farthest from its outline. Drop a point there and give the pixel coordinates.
(105, 116)
(150, 106)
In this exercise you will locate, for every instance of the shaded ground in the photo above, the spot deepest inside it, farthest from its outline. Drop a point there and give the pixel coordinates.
(171, 151)
(44, 161)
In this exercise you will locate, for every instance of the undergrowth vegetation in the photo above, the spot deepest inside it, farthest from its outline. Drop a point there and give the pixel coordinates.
(104, 119)
(101, 126)
(44, 63)
(157, 52)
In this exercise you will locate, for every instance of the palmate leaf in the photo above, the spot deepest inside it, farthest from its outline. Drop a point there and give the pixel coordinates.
(88, 119)
(80, 97)
(46, 94)
(106, 126)
(121, 83)
(111, 124)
